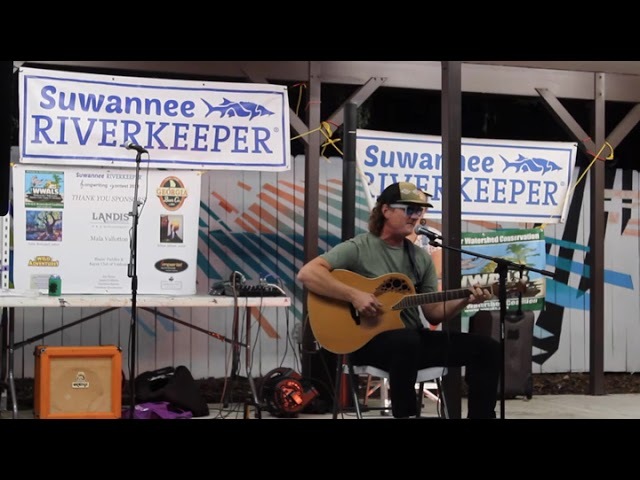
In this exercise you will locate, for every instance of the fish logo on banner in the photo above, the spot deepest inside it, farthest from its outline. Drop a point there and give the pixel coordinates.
(237, 109)
(524, 164)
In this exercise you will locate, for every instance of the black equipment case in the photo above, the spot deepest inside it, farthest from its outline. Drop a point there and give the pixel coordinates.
(518, 348)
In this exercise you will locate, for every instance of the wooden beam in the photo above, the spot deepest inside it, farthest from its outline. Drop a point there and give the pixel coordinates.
(451, 211)
(422, 75)
(311, 202)
(358, 98)
(595, 256)
(296, 122)
(624, 127)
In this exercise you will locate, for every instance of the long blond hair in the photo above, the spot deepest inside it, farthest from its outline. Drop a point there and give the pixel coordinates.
(376, 220)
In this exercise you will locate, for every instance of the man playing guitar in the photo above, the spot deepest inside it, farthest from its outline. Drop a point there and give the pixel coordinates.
(359, 276)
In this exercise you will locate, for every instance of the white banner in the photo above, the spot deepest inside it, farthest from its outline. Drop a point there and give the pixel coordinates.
(77, 223)
(501, 180)
(71, 118)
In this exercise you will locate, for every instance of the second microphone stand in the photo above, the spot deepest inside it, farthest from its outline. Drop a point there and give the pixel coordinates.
(502, 267)
(132, 273)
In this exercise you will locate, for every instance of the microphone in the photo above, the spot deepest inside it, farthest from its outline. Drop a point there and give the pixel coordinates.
(133, 146)
(422, 230)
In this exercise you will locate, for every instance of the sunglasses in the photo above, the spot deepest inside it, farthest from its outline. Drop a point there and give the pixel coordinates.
(409, 210)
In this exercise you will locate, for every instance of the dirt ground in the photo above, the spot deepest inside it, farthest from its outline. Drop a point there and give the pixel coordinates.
(579, 383)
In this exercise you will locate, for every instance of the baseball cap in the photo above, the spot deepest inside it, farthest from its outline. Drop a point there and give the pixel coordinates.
(404, 192)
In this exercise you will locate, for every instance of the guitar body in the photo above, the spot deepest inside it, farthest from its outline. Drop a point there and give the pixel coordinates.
(336, 325)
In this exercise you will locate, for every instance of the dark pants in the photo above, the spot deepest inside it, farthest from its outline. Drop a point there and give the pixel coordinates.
(403, 352)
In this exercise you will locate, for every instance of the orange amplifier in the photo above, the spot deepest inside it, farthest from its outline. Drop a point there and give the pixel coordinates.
(78, 382)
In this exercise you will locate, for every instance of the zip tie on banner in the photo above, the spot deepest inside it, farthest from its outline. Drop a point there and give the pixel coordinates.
(324, 126)
(305, 133)
(596, 157)
(301, 86)
(327, 128)
(312, 102)
(609, 157)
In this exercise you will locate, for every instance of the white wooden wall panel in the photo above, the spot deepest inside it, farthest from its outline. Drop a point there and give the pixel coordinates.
(622, 248)
(615, 321)
(164, 332)
(71, 335)
(147, 338)
(31, 326)
(181, 338)
(580, 317)
(560, 359)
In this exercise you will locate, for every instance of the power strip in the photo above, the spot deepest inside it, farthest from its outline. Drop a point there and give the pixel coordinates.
(248, 290)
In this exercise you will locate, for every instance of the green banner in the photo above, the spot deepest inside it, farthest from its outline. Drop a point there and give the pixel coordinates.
(523, 247)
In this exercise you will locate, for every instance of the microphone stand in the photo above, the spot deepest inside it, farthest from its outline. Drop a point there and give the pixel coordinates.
(132, 273)
(502, 267)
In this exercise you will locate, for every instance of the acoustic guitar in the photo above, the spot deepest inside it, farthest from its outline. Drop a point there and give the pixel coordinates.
(337, 326)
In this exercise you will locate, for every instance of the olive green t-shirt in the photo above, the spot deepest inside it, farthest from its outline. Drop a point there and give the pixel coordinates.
(369, 256)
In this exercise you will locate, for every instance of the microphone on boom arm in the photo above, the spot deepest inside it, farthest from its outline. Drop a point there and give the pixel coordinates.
(133, 146)
(422, 230)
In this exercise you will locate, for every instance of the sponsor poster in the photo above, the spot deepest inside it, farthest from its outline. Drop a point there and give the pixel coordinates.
(524, 247)
(78, 223)
(73, 118)
(501, 180)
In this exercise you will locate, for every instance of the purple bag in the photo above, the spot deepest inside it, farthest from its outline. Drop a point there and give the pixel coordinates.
(155, 410)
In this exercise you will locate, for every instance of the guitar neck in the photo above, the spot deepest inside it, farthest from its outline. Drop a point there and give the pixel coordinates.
(433, 297)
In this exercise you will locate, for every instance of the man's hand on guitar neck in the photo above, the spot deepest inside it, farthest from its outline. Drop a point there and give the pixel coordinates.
(439, 312)
(479, 294)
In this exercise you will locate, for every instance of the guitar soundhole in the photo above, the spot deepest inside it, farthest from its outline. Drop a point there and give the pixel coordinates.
(394, 285)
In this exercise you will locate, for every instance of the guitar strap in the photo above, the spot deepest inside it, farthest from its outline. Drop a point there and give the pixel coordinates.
(412, 257)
